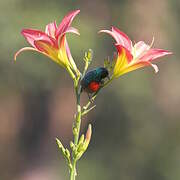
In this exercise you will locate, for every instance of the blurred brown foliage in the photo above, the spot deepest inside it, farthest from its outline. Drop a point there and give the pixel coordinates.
(136, 124)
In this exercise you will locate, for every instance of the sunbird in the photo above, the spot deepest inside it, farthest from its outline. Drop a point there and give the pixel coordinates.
(93, 80)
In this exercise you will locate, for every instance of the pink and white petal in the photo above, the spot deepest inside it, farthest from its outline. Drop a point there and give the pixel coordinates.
(132, 67)
(73, 65)
(48, 50)
(122, 38)
(110, 33)
(72, 30)
(32, 35)
(66, 23)
(138, 65)
(43, 45)
(120, 64)
(51, 29)
(155, 67)
(154, 54)
(140, 49)
(71, 60)
(129, 56)
(122, 61)
(24, 49)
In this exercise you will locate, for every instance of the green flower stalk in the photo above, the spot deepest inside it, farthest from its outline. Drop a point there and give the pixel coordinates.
(80, 144)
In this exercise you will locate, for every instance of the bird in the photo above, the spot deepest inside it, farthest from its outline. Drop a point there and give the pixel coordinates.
(94, 80)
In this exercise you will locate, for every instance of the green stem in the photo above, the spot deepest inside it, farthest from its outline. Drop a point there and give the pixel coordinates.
(107, 82)
(77, 124)
(76, 131)
(71, 73)
(73, 171)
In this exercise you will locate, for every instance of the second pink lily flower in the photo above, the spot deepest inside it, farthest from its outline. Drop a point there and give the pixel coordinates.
(132, 57)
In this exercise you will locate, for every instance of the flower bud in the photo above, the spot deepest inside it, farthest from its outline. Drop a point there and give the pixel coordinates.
(88, 136)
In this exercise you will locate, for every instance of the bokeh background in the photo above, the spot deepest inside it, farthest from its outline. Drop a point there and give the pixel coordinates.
(136, 124)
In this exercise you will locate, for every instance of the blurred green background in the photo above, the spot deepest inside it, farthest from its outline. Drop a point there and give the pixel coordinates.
(136, 124)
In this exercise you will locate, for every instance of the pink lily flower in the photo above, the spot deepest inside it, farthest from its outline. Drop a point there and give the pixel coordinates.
(132, 57)
(53, 43)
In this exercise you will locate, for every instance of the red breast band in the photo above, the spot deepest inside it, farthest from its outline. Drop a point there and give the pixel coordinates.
(94, 86)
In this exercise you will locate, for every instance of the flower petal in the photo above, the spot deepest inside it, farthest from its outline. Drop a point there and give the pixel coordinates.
(123, 39)
(138, 65)
(48, 50)
(140, 49)
(66, 22)
(32, 35)
(155, 67)
(51, 29)
(122, 60)
(154, 54)
(24, 49)
(128, 54)
(120, 37)
(64, 54)
(70, 57)
(72, 30)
